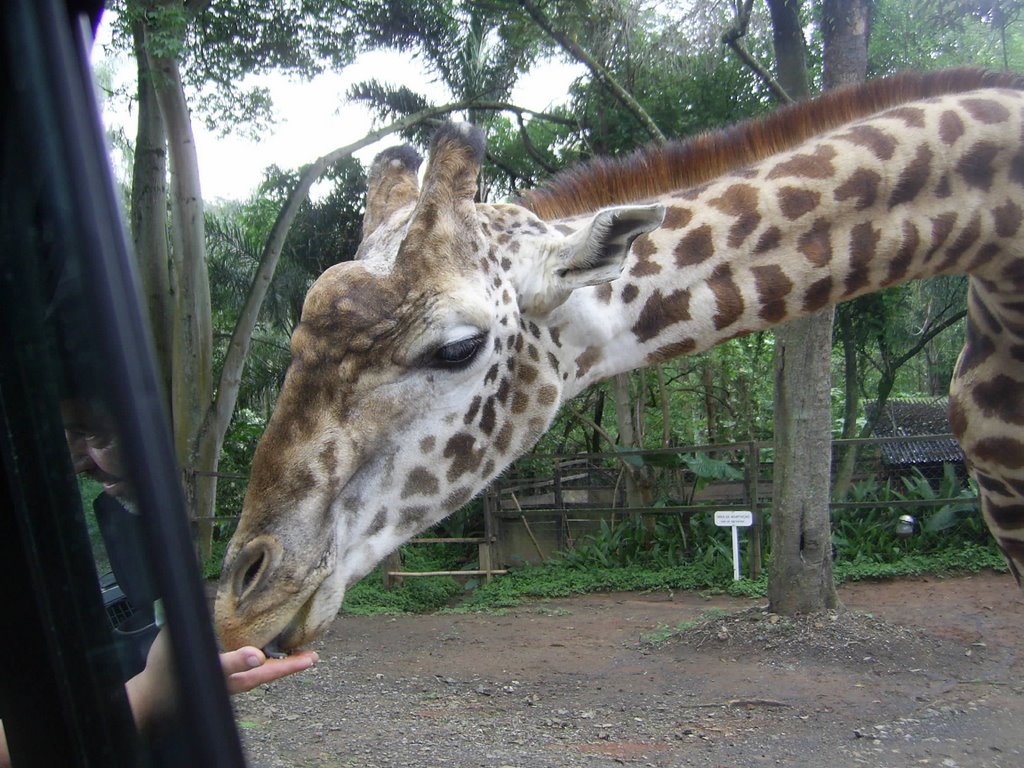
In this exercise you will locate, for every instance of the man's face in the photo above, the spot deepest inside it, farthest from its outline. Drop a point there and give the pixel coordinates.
(93, 443)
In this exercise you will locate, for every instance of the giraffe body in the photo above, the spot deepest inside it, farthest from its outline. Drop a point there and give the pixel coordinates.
(421, 370)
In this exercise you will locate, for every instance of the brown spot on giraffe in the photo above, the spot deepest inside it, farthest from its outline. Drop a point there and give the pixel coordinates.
(463, 455)
(773, 286)
(977, 167)
(673, 350)
(860, 186)
(872, 138)
(740, 202)
(913, 117)
(728, 298)
(695, 247)
(1007, 219)
(527, 373)
(818, 294)
(458, 497)
(951, 127)
(474, 406)
(1002, 451)
(942, 228)
(986, 110)
(487, 416)
(520, 401)
(810, 165)
(676, 217)
(503, 439)
(795, 202)
(967, 238)
(661, 311)
(586, 360)
(977, 349)
(1009, 517)
(910, 244)
(547, 395)
(1000, 398)
(769, 240)
(816, 243)
(913, 178)
(421, 481)
(863, 252)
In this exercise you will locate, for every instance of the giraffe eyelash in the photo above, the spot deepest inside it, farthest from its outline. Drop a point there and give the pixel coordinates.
(459, 354)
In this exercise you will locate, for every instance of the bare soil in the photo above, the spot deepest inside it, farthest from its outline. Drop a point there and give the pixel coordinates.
(924, 672)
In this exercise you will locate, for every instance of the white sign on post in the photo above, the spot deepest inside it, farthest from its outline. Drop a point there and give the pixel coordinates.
(734, 519)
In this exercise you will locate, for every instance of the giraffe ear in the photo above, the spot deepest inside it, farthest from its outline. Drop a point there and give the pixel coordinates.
(392, 184)
(592, 255)
(595, 254)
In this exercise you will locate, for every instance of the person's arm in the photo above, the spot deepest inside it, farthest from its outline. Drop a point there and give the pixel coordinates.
(151, 692)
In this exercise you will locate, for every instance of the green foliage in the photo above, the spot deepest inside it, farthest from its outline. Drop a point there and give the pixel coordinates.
(868, 535)
(965, 558)
(413, 595)
(559, 579)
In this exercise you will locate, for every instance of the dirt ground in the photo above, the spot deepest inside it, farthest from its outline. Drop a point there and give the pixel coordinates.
(925, 672)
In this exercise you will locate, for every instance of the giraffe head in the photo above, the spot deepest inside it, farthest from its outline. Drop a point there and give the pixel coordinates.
(419, 371)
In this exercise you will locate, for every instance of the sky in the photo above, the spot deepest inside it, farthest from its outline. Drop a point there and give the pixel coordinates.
(312, 117)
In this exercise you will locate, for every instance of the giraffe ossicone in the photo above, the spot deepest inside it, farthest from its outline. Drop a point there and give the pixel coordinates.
(424, 367)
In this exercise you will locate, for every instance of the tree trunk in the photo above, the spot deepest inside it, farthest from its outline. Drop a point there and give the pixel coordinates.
(851, 409)
(629, 438)
(846, 29)
(192, 350)
(800, 576)
(707, 380)
(148, 214)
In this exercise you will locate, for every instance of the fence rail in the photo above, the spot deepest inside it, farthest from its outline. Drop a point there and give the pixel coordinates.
(548, 502)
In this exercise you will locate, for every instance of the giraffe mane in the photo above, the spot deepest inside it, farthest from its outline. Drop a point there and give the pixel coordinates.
(682, 164)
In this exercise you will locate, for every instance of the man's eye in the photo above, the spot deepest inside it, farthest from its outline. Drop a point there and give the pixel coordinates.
(457, 354)
(99, 439)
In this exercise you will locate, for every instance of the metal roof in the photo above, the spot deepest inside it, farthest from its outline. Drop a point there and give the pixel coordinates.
(910, 417)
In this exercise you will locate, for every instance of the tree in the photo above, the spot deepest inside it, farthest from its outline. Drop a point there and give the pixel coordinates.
(800, 578)
(220, 43)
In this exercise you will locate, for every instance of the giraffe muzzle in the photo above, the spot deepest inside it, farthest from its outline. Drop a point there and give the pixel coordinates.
(266, 601)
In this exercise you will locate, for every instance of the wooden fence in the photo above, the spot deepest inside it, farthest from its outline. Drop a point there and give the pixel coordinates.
(549, 502)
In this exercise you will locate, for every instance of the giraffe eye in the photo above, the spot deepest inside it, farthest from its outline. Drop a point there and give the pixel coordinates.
(458, 354)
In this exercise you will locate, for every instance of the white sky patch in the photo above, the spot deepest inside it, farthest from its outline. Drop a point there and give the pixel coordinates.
(312, 117)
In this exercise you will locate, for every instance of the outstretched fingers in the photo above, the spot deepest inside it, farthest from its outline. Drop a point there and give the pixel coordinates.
(248, 667)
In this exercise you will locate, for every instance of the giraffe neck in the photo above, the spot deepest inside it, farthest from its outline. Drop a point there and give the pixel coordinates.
(930, 187)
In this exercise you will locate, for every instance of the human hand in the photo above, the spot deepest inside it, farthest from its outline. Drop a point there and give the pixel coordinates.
(248, 667)
(152, 691)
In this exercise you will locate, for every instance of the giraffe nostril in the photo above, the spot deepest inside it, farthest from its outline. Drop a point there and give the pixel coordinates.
(249, 570)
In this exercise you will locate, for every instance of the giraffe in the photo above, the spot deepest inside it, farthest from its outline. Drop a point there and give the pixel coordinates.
(422, 368)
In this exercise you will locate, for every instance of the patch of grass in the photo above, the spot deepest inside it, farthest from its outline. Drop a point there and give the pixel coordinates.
(663, 632)
(559, 579)
(967, 558)
(413, 595)
(556, 579)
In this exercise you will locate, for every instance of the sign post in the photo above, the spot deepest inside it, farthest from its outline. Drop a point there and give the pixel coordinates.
(735, 520)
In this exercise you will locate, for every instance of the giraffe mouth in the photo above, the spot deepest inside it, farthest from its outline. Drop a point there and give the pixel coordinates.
(290, 639)
(316, 613)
